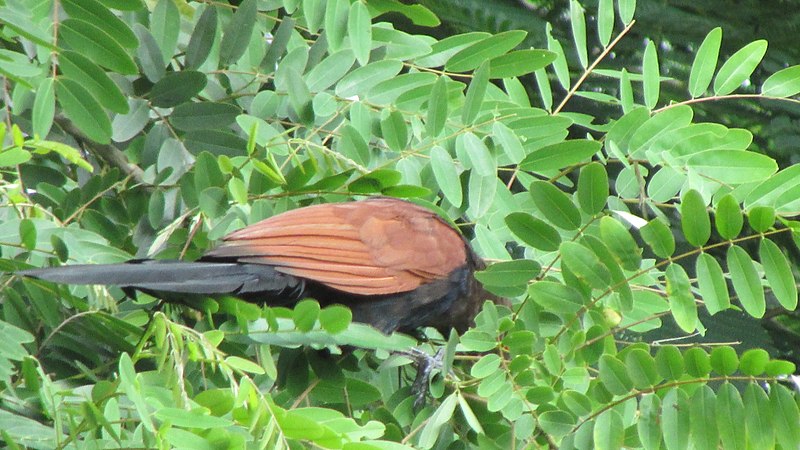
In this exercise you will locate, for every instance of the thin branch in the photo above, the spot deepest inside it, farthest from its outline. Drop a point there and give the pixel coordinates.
(108, 153)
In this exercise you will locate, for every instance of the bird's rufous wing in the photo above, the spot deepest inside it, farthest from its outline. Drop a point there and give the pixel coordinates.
(372, 247)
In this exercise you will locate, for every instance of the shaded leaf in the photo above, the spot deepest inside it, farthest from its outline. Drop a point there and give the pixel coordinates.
(237, 33)
(83, 110)
(555, 206)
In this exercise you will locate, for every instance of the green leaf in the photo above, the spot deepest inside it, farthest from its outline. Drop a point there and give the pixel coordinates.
(698, 363)
(95, 13)
(474, 55)
(695, 221)
(652, 75)
(577, 22)
(44, 108)
(761, 218)
(712, 285)
(165, 26)
(681, 299)
(394, 130)
(203, 115)
(215, 141)
(14, 156)
(443, 50)
(783, 83)
(362, 79)
(442, 415)
(97, 45)
(330, 70)
(609, 431)
(359, 29)
(621, 243)
(702, 418)
(657, 127)
(739, 67)
(299, 94)
(556, 423)
(519, 63)
(558, 156)
(626, 10)
(593, 188)
(24, 26)
(437, 108)
(585, 264)
(83, 110)
(605, 21)
(419, 14)
(305, 314)
(641, 368)
(447, 176)
(648, 425)
(94, 79)
(149, 53)
(728, 219)
(785, 416)
(724, 360)
(280, 40)
(379, 179)
(733, 166)
(504, 137)
(481, 160)
(336, 18)
(475, 94)
(387, 91)
(481, 193)
(730, 417)
(177, 88)
(534, 232)
(27, 235)
(779, 274)
(509, 273)
(614, 375)
(759, 417)
(197, 418)
(487, 365)
(335, 318)
(237, 33)
(155, 209)
(202, 39)
(213, 202)
(675, 424)
(624, 128)
(555, 297)
(754, 362)
(67, 152)
(555, 206)
(705, 62)
(659, 237)
(746, 281)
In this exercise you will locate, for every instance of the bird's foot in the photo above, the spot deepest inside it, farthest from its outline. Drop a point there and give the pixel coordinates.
(426, 364)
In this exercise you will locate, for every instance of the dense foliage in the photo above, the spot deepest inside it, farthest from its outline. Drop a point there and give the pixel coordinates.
(151, 129)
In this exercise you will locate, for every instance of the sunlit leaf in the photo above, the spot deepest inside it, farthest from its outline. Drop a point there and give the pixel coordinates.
(739, 67)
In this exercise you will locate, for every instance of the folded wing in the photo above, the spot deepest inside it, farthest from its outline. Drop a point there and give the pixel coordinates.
(372, 247)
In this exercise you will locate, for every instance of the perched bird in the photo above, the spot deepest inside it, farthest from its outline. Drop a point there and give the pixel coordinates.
(396, 265)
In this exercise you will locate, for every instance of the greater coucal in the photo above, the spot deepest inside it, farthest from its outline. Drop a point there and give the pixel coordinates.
(396, 265)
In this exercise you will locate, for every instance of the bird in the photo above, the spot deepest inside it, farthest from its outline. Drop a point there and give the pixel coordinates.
(398, 266)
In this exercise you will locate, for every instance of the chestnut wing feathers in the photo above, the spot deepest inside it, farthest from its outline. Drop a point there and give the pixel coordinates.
(373, 247)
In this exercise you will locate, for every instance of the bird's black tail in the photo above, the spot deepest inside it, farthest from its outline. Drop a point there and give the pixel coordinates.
(179, 277)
